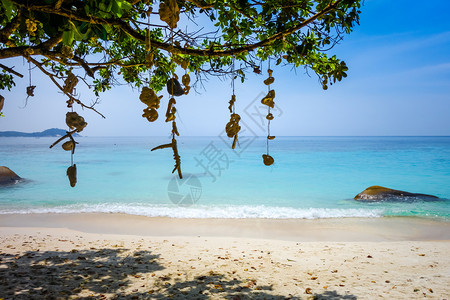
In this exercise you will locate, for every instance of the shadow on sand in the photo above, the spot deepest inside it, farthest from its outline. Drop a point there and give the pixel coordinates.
(119, 274)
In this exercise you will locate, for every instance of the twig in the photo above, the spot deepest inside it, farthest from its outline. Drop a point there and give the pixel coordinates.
(11, 70)
(68, 134)
(37, 64)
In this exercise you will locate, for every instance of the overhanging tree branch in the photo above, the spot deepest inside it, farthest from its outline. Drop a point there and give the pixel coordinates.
(173, 48)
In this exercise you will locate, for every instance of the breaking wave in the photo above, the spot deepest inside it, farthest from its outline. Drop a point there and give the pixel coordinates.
(205, 212)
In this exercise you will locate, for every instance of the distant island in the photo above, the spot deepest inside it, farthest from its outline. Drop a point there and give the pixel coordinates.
(53, 132)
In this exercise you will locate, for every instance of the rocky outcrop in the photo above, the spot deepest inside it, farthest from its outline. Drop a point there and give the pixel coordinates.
(53, 132)
(379, 193)
(7, 176)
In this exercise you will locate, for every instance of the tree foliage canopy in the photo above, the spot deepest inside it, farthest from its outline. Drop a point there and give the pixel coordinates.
(109, 39)
(141, 42)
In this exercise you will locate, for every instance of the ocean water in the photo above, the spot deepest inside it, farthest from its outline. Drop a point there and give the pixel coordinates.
(312, 177)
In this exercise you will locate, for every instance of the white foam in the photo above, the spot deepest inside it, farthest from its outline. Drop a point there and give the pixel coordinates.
(205, 212)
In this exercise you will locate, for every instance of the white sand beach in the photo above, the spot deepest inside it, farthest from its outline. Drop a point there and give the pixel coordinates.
(108, 256)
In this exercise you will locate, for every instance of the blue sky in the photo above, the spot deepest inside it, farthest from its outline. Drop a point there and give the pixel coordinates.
(398, 84)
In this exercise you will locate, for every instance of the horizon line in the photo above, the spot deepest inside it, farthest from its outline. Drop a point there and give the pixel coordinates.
(209, 136)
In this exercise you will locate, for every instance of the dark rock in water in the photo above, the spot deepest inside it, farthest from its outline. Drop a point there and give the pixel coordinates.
(174, 87)
(379, 193)
(7, 176)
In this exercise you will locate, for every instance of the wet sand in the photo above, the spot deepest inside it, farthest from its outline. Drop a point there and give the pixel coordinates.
(337, 229)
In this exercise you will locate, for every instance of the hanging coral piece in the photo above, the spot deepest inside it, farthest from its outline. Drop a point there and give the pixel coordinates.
(174, 147)
(30, 90)
(148, 48)
(267, 159)
(174, 87)
(268, 101)
(175, 129)
(68, 146)
(232, 128)
(70, 83)
(150, 114)
(72, 174)
(269, 80)
(184, 64)
(231, 102)
(31, 26)
(171, 110)
(75, 121)
(149, 97)
(149, 60)
(186, 80)
(169, 12)
(2, 101)
(176, 156)
(148, 41)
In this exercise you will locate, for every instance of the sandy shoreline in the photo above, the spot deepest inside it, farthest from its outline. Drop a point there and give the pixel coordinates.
(336, 229)
(105, 256)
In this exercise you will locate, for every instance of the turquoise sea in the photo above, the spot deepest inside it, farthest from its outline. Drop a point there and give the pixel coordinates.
(312, 177)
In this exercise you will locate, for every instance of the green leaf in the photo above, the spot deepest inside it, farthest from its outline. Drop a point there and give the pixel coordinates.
(68, 37)
(125, 5)
(8, 6)
(119, 7)
(100, 32)
(108, 8)
(78, 31)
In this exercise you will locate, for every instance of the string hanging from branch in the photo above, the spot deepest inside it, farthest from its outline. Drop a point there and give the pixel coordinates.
(31, 28)
(148, 45)
(186, 79)
(268, 101)
(232, 128)
(30, 87)
(148, 95)
(169, 13)
(170, 116)
(76, 124)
